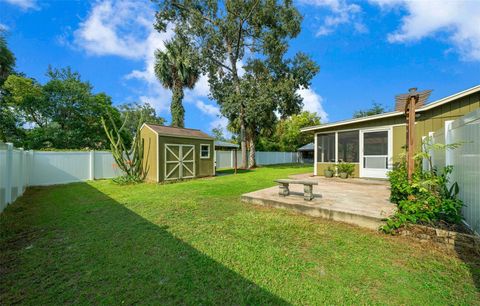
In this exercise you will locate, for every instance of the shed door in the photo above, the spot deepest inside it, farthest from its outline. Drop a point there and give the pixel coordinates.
(179, 161)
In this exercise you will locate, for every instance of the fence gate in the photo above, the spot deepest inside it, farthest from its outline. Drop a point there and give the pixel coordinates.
(179, 161)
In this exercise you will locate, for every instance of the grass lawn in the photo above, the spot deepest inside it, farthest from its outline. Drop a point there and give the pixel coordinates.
(195, 243)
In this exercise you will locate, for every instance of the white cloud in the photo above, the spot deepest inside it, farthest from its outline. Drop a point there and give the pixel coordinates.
(24, 4)
(208, 109)
(124, 28)
(312, 102)
(116, 28)
(213, 111)
(459, 20)
(342, 13)
(3, 27)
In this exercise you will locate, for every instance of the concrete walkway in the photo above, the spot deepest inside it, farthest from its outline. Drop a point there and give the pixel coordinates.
(357, 201)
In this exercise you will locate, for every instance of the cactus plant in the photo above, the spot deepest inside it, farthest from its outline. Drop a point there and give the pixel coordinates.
(130, 161)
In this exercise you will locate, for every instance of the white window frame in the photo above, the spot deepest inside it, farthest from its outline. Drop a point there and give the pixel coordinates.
(208, 156)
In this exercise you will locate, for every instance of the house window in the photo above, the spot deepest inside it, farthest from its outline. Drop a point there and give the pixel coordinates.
(326, 148)
(205, 151)
(348, 147)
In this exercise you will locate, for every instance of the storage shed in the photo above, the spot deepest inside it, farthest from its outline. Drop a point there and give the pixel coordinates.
(176, 153)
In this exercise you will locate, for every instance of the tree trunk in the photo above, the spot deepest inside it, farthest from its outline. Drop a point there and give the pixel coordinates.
(251, 162)
(176, 108)
(241, 117)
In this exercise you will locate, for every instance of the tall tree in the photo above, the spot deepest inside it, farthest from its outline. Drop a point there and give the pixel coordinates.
(217, 133)
(61, 114)
(229, 32)
(288, 133)
(8, 123)
(7, 59)
(177, 68)
(374, 110)
(136, 114)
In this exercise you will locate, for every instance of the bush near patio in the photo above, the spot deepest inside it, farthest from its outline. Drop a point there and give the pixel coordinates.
(196, 243)
(429, 198)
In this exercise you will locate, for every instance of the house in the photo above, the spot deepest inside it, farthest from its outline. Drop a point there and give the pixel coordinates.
(375, 143)
(172, 153)
(307, 153)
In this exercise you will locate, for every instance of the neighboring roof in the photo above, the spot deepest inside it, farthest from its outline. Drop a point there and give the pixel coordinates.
(226, 144)
(177, 132)
(395, 113)
(307, 147)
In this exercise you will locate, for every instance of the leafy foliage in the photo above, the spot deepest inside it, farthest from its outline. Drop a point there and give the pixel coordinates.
(136, 114)
(217, 133)
(176, 68)
(7, 59)
(347, 168)
(62, 114)
(429, 198)
(374, 110)
(253, 32)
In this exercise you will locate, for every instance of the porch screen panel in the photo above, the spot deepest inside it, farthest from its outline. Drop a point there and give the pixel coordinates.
(348, 147)
(326, 148)
(375, 143)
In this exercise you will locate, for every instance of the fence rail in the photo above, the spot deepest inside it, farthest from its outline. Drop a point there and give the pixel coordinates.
(225, 159)
(465, 161)
(19, 168)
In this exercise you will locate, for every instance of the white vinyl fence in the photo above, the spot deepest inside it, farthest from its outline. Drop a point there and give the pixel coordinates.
(19, 169)
(225, 159)
(465, 161)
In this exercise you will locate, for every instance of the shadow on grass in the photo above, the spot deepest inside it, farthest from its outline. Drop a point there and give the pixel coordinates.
(74, 244)
(223, 172)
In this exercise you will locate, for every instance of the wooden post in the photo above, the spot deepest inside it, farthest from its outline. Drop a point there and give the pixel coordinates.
(235, 160)
(411, 103)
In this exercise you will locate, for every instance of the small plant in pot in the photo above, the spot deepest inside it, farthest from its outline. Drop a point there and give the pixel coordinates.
(329, 172)
(345, 170)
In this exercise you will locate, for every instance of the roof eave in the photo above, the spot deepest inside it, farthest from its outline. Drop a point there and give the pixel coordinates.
(427, 107)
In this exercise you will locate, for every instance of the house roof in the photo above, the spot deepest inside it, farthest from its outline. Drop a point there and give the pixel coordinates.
(307, 147)
(177, 132)
(395, 113)
(224, 144)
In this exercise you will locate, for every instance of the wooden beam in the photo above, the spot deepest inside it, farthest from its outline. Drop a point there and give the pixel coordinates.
(412, 101)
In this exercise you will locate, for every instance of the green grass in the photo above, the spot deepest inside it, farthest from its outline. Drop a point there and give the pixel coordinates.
(195, 243)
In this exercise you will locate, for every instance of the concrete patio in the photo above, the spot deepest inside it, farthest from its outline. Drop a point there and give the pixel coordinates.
(361, 202)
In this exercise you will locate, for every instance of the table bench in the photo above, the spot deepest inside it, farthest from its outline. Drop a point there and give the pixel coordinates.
(307, 187)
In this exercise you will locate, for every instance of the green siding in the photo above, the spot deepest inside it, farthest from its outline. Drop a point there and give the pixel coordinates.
(428, 121)
(203, 167)
(321, 167)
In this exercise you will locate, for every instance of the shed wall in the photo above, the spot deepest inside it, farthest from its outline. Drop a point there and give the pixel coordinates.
(203, 167)
(150, 153)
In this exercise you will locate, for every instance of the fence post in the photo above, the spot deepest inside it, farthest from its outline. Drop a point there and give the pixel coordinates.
(232, 158)
(31, 166)
(21, 176)
(92, 165)
(8, 173)
(448, 140)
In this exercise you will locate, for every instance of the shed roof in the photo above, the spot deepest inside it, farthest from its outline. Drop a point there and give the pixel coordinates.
(177, 132)
(224, 144)
(395, 113)
(307, 147)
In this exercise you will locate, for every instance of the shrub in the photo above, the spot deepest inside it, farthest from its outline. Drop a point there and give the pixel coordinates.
(346, 168)
(428, 198)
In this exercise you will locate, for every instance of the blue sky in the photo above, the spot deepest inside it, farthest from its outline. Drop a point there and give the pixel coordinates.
(368, 51)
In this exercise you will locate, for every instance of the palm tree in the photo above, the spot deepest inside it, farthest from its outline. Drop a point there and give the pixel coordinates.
(177, 68)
